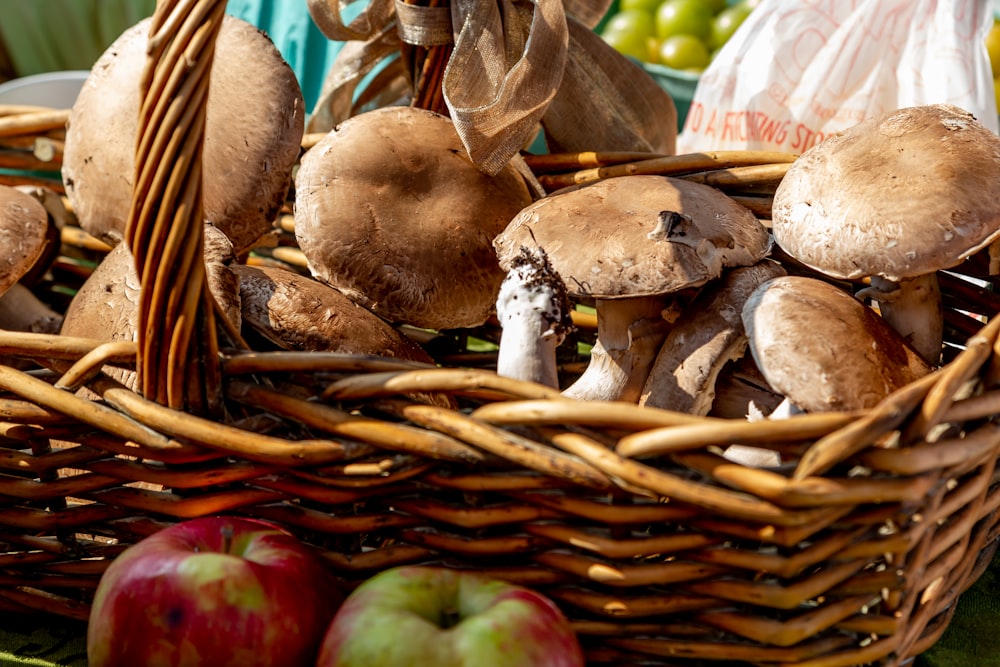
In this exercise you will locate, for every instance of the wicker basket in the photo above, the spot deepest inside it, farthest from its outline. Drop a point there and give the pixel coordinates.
(675, 557)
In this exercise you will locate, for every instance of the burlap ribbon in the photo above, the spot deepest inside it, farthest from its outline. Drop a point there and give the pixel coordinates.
(505, 77)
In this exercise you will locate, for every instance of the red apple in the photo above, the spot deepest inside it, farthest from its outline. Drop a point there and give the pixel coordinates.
(212, 591)
(421, 616)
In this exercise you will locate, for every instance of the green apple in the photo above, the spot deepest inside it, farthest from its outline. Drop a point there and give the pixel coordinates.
(993, 47)
(629, 32)
(422, 616)
(684, 52)
(648, 6)
(683, 17)
(725, 24)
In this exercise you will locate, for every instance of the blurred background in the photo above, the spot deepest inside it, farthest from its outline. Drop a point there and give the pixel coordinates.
(44, 36)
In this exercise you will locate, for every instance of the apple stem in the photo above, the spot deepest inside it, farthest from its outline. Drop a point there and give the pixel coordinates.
(227, 538)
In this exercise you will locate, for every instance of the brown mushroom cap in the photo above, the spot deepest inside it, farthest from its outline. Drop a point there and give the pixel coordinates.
(896, 196)
(106, 307)
(390, 210)
(253, 134)
(24, 234)
(606, 240)
(823, 349)
(296, 312)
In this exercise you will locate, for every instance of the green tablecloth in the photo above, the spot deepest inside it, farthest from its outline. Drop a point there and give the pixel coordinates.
(972, 639)
(27, 641)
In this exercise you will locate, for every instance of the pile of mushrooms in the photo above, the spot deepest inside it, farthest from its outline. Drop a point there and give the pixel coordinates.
(254, 130)
(895, 199)
(859, 216)
(632, 244)
(399, 227)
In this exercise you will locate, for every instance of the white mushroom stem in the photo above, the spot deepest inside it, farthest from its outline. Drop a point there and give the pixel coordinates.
(761, 457)
(534, 311)
(630, 333)
(913, 308)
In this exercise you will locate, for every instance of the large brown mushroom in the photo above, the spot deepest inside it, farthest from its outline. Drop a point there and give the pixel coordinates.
(630, 243)
(390, 210)
(895, 198)
(823, 349)
(253, 133)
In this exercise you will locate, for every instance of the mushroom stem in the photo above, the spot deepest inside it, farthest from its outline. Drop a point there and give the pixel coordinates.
(761, 457)
(534, 312)
(913, 308)
(630, 333)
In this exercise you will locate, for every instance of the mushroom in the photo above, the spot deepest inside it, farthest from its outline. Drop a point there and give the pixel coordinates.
(630, 243)
(535, 315)
(390, 210)
(58, 217)
(253, 133)
(895, 198)
(29, 240)
(741, 392)
(823, 349)
(24, 235)
(21, 310)
(296, 312)
(290, 311)
(707, 335)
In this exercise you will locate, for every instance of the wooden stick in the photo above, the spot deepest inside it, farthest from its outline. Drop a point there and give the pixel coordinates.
(33, 122)
(755, 178)
(673, 165)
(561, 162)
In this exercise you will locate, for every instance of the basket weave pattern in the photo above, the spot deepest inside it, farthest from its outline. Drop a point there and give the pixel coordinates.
(853, 553)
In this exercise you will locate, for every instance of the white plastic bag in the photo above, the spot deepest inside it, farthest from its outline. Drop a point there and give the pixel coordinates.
(797, 71)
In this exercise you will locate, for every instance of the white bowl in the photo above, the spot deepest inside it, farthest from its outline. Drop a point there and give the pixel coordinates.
(56, 90)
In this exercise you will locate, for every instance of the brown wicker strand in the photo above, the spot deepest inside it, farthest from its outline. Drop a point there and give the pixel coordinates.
(165, 223)
(889, 414)
(397, 437)
(770, 163)
(954, 376)
(652, 442)
(28, 121)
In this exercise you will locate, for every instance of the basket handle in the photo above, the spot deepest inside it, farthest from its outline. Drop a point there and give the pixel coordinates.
(177, 361)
